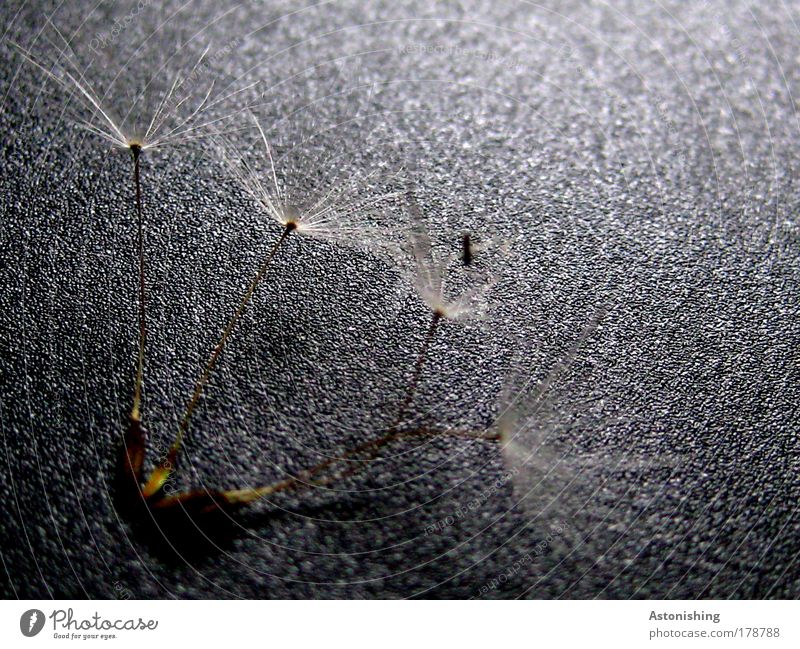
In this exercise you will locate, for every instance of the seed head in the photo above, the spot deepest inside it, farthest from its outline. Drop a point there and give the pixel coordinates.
(182, 114)
(344, 211)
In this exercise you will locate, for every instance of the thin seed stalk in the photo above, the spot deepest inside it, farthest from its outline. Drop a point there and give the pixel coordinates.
(162, 472)
(137, 392)
(306, 478)
(420, 363)
(133, 460)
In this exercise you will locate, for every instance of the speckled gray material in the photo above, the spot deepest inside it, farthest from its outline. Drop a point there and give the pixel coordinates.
(637, 156)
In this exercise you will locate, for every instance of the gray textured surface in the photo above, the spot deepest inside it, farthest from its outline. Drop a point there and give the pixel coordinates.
(640, 156)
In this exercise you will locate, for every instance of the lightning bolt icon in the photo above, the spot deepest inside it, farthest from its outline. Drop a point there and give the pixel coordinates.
(32, 621)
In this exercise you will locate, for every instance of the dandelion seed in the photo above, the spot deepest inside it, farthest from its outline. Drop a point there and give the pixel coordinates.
(334, 216)
(452, 295)
(169, 125)
(554, 481)
(527, 411)
(452, 286)
(458, 296)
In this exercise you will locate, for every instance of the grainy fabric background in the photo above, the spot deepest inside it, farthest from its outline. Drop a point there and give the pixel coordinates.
(637, 156)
